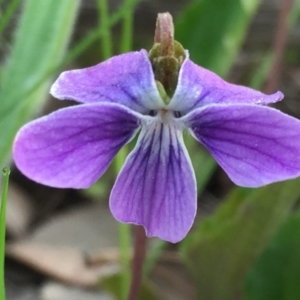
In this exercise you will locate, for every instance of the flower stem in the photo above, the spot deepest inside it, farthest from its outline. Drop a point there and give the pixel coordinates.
(139, 254)
(127, 26)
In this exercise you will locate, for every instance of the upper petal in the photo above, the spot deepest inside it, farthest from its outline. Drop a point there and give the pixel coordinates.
(156, 187)
(125, 79)
(73, 147)
(198, 87)
(255, 145)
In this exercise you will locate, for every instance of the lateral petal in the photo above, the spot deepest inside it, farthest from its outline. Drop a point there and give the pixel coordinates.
(73, 147)
(255, 145)
(198, 87)
(125, 79)
(156, 187)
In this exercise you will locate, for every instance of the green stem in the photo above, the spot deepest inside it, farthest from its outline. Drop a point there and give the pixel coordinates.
(125, 255)
(124, 230)
(124, 236)
(6, 172)
(127, 26)
(104, 25)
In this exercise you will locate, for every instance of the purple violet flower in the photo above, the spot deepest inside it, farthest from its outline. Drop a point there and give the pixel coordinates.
(72, 147)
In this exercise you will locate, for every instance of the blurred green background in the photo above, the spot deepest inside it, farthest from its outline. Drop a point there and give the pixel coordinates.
(245, 243)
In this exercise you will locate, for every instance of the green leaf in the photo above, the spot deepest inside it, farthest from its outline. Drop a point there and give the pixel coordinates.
(213, 30)
(276, 274)
(221, 250)
(41, 39)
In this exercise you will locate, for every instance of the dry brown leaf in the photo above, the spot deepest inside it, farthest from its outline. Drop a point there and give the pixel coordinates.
(64, 264)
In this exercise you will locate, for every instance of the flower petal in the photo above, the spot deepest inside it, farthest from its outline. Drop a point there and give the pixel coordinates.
(156, 187)
(125, 79)
(255, 145)
(198, 87)
(74, 146)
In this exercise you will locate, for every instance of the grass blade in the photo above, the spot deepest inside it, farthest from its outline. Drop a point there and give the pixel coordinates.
(6, 172)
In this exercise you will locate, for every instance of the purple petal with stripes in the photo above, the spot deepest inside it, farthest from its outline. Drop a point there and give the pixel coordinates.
(156, 187)
(198, 87)
(255, 145)
(73, 147)
(125, 79)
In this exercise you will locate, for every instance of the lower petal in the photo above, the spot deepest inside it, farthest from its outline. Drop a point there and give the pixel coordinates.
(255, 145)
(73, 147)
(156, 187)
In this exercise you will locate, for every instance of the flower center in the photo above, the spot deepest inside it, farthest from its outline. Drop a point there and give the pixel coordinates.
(165, 115)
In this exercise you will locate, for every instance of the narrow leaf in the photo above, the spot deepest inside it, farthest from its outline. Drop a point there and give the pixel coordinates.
(42, 36)
(6, 173)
